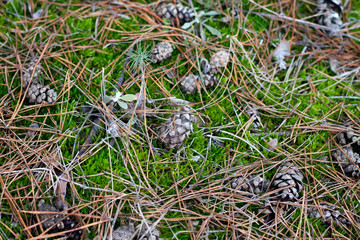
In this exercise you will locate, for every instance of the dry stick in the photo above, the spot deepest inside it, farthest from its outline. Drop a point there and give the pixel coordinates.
(310, 24)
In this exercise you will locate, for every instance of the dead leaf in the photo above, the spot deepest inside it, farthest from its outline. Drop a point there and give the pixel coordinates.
(281, 52)
(273, 144)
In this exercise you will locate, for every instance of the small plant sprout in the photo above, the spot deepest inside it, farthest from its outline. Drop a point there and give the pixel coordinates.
(139, 57)
(121, 99)
(202, 23)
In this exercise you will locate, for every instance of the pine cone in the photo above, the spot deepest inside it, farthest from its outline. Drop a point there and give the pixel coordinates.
(38, 93)
(153, 234)
(176, 129)
(174, 12)
(328, 214)
(161, 52)
(210, 81)
(188, 84)
(275, 210)
(28, 71)
(251, 184)
(123, 233)
(71, 223)
(50, 220)
(58, 222)
(288, 175)
(218, 61)
(329, 14)
(348, 156)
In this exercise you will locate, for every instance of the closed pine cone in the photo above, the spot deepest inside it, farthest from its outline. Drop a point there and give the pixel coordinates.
(328, 214)
(329, 14)
(251, 184)
(219, 60)
(176, 129)
(39, 93)
(174, 12)
(288, 175)
(161, 52)
(188, 84)
(348, 156)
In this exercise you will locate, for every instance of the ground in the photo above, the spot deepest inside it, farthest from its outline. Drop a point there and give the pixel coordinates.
(92, 49)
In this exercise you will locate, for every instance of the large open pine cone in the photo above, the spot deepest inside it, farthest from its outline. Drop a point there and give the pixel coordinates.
(188, 84)
(39, 93)
(58, 222)
(161, 52)
(219, 60)
(348, 155)
(329, 14)
(251, 184)
(177, 128)
(174, 12)
(328, 214)
(289, 174)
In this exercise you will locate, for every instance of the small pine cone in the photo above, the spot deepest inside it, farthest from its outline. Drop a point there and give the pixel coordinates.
(251, 184)
(288, 175)
(49, 220)
(123, 233)
(69, 224)
(161, 52)
(274, 211)
(58, 222)
(348, 155)
(188, 84)
(218, 61)
(176, 129)
(174, 12)
(28, 71)
(329, 14)
(38, 93)
(328, 214)
(349, 138)
(351, 168)
(210, 81)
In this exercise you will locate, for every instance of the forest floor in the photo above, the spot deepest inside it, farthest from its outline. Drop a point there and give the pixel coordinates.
(289, 90)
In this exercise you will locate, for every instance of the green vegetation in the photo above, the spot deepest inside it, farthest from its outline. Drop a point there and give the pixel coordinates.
(83, 48)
